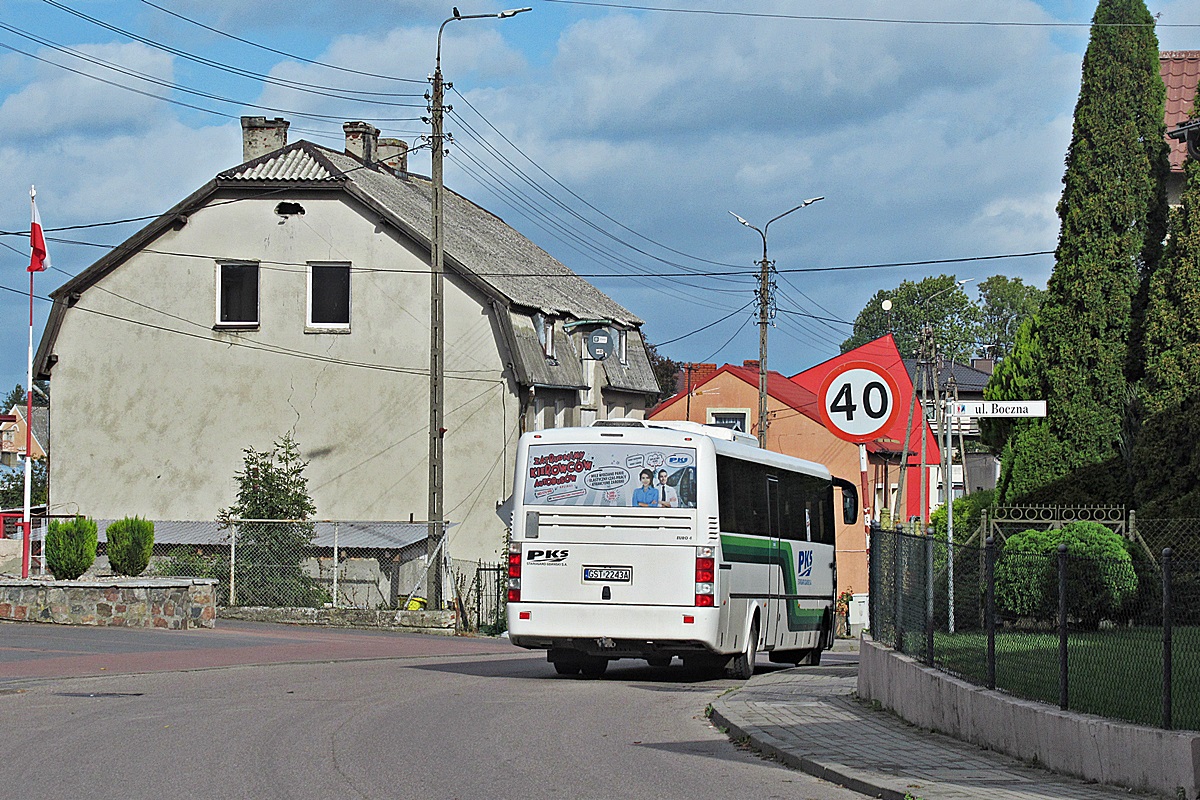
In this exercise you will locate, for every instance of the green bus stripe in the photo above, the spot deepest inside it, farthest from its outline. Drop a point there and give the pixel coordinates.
(746, 550)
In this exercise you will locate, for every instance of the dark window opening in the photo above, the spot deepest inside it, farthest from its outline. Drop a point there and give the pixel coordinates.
(329, 300)
(288, 209)
(239, 294)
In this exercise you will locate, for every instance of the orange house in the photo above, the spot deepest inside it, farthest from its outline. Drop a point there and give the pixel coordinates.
(12, 435)
(728, 396)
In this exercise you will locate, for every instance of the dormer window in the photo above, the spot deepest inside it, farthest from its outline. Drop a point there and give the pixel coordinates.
(623, 344)
(545, 332)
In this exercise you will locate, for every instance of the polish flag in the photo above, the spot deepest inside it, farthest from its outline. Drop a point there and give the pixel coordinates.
(40, 259)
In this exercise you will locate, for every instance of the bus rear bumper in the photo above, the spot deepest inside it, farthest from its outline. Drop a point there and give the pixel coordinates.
(614, 631)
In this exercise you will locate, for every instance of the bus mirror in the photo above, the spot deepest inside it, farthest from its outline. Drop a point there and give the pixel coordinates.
(849, 500)
(849, 507)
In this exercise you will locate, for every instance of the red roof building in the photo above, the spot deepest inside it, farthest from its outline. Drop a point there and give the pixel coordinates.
(1181, 73)
(886, 453)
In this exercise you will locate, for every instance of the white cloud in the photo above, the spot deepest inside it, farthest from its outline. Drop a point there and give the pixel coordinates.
(52, 100)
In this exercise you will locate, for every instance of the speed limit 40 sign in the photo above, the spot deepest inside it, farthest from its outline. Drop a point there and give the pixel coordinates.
(858, 401)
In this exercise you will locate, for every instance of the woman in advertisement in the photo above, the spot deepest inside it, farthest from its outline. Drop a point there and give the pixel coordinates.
(646, 496)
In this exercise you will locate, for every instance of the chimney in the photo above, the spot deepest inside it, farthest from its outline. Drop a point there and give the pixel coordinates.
(361, 141)
(261, 136)
(394, 155)
(985, 365)
(750, 363)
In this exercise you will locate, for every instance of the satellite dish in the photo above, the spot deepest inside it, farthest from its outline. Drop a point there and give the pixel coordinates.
(600, 343)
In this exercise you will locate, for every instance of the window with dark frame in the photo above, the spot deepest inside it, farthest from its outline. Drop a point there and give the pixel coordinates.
(238, 294)
(329, 296)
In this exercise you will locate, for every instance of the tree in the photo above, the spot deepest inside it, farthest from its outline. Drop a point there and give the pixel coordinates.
(1015, 378)
(16, 397)
(1172, 338)
(666, 372)
(12, 486)
(270, 555)
(938, 301)
(1007, 304)
(1113, 212)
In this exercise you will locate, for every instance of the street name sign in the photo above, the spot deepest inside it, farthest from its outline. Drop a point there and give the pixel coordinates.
(1000, 408)
(858, 401)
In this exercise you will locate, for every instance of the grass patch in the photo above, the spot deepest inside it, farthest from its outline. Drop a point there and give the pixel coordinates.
(1114, 673)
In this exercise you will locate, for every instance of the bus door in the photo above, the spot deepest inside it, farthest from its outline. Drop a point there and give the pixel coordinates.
(775, 585)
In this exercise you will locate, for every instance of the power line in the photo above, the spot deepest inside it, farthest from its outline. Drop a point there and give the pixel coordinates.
(283, 53)
(882, 20)
(208, 62)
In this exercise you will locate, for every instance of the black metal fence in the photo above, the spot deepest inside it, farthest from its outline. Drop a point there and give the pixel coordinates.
(1118, 637)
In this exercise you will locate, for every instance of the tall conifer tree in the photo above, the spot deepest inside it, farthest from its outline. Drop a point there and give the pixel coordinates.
(1172, 346)
(1113, 212)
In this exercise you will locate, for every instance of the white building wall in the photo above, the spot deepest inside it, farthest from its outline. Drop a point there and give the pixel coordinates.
(152, 419)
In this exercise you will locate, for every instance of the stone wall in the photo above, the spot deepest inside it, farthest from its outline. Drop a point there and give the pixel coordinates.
(434, 622)
(1091, 747)
(168, 603)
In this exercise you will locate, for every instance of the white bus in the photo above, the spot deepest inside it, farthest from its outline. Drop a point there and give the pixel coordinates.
(653, 540)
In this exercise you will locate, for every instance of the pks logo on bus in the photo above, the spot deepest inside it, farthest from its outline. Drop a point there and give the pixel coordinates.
(679, 460)
(804, 564)
(548, 556)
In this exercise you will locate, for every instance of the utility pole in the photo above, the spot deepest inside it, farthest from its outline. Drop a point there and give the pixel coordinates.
(765, 312)
(437, 324)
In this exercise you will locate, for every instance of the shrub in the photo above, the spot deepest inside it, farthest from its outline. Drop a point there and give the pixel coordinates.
(1025, 576)
(130, 542)
(968, 510)
(70, 547)
(1100, 575)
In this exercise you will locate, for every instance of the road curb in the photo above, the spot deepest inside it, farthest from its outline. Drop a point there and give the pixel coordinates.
(771, 747)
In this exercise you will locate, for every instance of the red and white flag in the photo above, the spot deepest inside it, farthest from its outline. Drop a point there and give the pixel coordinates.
(39, 259)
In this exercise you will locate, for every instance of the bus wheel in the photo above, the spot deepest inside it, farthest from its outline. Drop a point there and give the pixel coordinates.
(659, 661)
(566, 667)
(741, 666)
(593, 666)
(813, 657)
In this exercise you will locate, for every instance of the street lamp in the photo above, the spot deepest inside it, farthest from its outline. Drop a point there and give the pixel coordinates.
(437, 374)
(764, 316)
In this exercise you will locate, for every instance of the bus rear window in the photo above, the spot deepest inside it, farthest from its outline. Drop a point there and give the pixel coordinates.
(629, 475)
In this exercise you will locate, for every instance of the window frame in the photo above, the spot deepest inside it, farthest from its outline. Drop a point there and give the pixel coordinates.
(328, 327)
(219, 300)
(712, 413)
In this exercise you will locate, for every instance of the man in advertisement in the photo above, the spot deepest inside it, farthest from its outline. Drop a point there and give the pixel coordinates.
(667, 496)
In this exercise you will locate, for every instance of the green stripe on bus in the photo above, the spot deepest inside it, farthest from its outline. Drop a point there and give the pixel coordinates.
(747, 550)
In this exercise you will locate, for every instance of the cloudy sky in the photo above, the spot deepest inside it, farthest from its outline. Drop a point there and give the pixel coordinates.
(617, 137)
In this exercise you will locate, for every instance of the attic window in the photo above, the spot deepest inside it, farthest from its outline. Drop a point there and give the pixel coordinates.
(545, 332)
(289, 209)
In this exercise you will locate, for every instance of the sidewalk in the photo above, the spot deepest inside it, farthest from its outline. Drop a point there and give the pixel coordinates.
(809, 719)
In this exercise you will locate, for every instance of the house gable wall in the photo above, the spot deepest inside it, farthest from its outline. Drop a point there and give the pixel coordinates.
(154, 422)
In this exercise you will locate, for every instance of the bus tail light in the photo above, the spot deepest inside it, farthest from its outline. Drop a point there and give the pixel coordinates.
(705, 577)
(514, 575)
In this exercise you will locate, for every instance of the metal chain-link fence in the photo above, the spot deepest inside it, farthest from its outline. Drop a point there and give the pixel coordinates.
(1116, 635)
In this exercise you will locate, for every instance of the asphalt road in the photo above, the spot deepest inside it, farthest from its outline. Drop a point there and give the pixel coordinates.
(260, 711)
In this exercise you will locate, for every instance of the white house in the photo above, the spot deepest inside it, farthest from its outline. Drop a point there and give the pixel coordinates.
(291, 294)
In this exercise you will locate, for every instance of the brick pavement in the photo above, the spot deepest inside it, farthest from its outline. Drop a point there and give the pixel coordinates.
(810, 719)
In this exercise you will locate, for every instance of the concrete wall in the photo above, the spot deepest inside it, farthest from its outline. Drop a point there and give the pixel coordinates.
(169, 603)
(1087, 746)
(152, 412)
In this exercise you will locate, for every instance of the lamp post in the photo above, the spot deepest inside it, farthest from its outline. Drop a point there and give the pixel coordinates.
(764, 315)
(437, 375)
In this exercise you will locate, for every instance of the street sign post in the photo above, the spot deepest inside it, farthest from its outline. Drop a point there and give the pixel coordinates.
(977, 408)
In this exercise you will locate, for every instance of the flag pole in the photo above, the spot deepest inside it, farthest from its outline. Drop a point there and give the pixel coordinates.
(26, 517)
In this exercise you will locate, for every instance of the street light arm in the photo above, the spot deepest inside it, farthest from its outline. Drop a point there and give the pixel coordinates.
(808, 202)
(512, 12)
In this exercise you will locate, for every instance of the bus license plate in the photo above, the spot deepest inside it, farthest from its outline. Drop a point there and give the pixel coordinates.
(608, 574)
